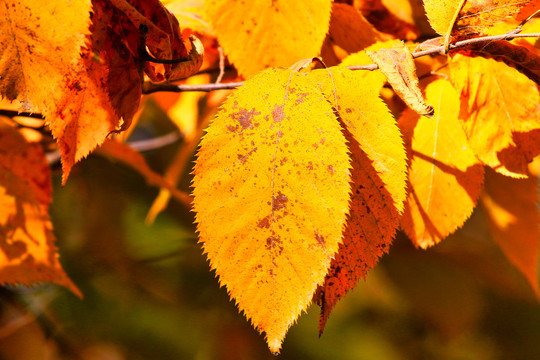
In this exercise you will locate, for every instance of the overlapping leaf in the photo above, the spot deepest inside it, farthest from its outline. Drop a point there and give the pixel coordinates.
(501, 124)
(275, 165)
(378, 181)
(474, 16)
(27, 251)
(444, 175)
(35, 54)
(260, 34)
(512, 213)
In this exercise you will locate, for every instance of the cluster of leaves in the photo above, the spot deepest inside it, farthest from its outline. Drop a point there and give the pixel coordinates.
(304, 175)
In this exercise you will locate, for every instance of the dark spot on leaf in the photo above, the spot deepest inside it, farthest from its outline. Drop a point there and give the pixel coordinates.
(301, 98)
(348, 110)
(272, 242)
(244, 117)
(310, 165)
(331, 169)
(277, 113)
(243, 158)
(320, 239)
(279, 201)
(264, 222)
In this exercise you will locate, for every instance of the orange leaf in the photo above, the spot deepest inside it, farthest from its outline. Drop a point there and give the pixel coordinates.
(27, 251)
(499, 121)
(512, 214)
(475, 16)
(39, 40)
(377, 13)
(378, 181)
(350, 30)
(521, 55)
(444, 175)
(260, 34)
(271, 193)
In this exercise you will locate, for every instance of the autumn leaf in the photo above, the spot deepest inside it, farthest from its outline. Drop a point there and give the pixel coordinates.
(444, 175)
(500, 123)
(520, 55)
(349, 32)
(512, 212)
(256, 35)
(190, 14)
(378, 13)
(271, 192)
(35, 53)
(473, 16)
(397, 65)
(378, 181)
(27, 251)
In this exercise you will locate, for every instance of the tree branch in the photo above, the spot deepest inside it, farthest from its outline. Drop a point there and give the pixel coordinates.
(149, 88)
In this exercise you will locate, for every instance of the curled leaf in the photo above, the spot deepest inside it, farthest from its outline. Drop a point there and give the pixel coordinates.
(397, 65)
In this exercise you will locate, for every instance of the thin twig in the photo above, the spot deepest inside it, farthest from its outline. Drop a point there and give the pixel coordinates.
(149, 88)
(221, 65)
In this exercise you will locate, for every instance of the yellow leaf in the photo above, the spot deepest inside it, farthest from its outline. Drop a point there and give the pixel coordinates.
(39, 40)
(474, 17)
(512, 213)
(271, 193)
(190, 15)
(444, 175)
(397, 65)
(276, 33)
(502, 124)
(378, 181)
(27, 251)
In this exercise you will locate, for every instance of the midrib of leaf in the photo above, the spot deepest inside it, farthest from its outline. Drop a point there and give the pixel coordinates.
(19, 58)
(504, 102)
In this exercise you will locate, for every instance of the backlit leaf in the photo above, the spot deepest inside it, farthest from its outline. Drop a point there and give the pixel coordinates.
(35, 53)
(27, 251)
(444, 175)
(378, 181)
(502, 124)
(271, 194)
(475, 17)
(512, 213)
(260, 34)
(350, 30)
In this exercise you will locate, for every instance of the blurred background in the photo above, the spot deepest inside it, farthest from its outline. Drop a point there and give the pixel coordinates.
(149, 293)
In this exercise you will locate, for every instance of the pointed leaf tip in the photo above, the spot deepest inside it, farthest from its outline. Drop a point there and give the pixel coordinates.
(271, 193)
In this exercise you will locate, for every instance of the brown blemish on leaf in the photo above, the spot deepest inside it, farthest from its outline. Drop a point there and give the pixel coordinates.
(277, 113)
(301, 98)
(244, 117)
(272, 242)
(331, 169)
(310, 165)
(264, 222)
(243, 158)
(320, 239)
(279, 201)
(348, 110)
